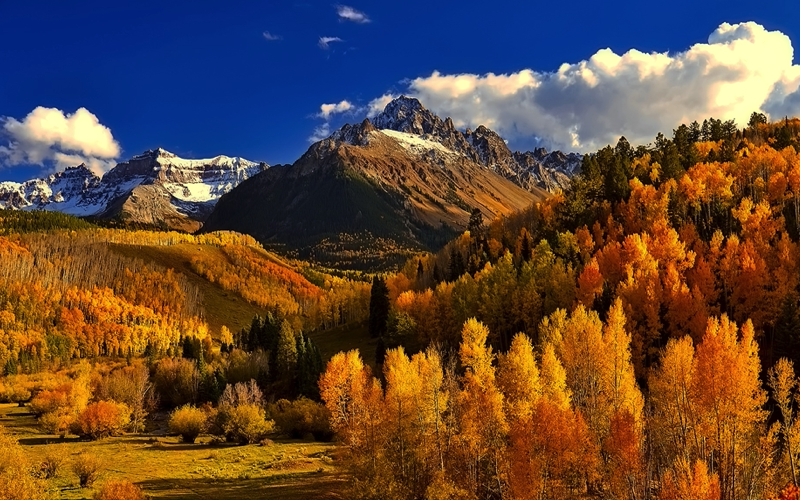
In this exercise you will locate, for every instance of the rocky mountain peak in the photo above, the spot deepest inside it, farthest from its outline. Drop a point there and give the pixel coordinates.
(407, 114)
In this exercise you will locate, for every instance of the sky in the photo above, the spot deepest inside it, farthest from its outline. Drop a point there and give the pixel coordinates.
(99, 82)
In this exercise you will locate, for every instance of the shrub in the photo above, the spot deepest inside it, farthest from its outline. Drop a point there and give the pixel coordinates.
(56, 422)
(51, 401)
(18, 394)
(189, 422)
(302, 417)
(16, 481)
(177, 381)
(103, 419)
(119, 490)
(242, 393)
(51, 463)
(88, 468)
(247, 424)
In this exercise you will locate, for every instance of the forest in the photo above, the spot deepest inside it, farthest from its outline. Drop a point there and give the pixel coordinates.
(633, 337)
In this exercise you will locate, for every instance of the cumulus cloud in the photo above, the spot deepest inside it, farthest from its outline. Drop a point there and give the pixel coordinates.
(326, 110)
(48, 136)
(350, 14)
(271, 36)
(325, 41)
(585, 105)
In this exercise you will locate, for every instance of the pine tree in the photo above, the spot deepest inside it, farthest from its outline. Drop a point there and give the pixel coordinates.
(378, 307)
(286, 355)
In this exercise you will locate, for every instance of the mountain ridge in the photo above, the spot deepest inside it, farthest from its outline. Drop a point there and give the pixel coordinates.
(156, 188)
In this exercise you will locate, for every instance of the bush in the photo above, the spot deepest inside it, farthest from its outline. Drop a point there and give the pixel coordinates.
(119, 490)
(53, 401)
(18, 394)
(52, 463)
(247, 424)
(88, 468)
(302, 417)
(56, 422)
(242, 393)
(177, 381)
(16, 481)
(103, 419)
(189, 422)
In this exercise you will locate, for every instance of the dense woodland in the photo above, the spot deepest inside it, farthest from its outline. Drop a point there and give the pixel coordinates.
(634, 337)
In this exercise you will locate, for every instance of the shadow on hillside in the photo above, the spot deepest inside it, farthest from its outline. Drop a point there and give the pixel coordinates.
(290, 487)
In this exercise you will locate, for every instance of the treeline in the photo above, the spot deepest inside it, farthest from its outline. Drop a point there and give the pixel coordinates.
(18, 221)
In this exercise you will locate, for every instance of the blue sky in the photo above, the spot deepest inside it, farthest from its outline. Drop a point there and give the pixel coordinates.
(247, 78)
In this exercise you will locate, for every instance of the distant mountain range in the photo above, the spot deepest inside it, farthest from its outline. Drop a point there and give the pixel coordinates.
(156, 188)
(405, 180)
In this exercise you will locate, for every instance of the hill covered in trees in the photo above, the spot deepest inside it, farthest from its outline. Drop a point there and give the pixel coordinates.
(632, 337)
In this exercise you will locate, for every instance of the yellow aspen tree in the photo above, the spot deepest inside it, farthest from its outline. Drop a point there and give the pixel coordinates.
(353, 398)
(728, 396)
(402, 384)
(618, 379)
(554, 379)
(518, 377)
(483, 424)
(783, 383)
(673, 422)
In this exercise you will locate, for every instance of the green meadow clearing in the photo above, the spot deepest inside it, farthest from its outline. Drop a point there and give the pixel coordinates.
(165, 468)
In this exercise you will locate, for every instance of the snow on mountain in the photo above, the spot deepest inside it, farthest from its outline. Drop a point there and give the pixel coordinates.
(417, 129)
(192, 185)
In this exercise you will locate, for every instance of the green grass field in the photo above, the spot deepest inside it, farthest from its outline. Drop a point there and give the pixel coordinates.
(166, 469)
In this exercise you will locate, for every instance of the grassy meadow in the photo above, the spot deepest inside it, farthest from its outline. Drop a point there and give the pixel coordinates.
(165, 468)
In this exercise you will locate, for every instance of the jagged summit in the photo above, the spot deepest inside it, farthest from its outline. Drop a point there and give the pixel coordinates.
(425, 132)
(156, 188)
(407, 114)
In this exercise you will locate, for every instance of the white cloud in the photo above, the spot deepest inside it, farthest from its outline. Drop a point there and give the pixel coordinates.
(320, 132)
(271, 36)
(591, 103)
(324, 41)
(350, 14)
(48, 135)
(326, 110)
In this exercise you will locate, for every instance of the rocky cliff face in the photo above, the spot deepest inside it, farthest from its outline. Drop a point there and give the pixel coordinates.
(156, 188)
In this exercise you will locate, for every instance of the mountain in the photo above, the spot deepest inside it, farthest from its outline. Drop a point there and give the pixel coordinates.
(372, 192)
(537, 169)
(156, 188)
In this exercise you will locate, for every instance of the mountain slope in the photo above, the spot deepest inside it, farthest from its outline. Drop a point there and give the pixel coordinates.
(365, 197)
(156, 188)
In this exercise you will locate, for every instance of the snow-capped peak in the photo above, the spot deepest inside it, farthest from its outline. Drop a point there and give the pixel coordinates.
(77, 191)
